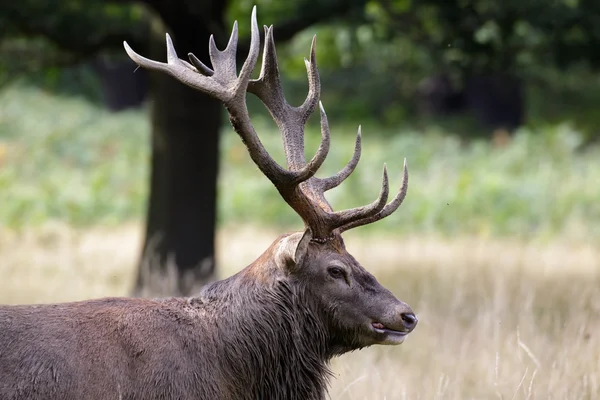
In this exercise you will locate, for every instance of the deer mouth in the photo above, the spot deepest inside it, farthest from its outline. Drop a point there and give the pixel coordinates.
(392, 336)
(380, 328)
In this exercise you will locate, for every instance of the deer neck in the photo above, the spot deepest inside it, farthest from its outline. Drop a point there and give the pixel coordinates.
(271, 338)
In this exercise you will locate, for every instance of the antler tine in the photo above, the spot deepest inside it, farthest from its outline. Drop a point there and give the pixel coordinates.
(314, 83)
(387, 210)
(180, 71)
(214, 52)
(250, 62)
(337, 179)
(224, 61)
(342, 218)
(268, 87)
(290, 120)
(311, 168)
(199, 65)
(146, 62)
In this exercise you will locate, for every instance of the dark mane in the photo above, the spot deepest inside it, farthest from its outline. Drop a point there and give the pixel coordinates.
(277, 348)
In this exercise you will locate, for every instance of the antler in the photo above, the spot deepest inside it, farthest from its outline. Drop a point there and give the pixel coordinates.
(297, 185)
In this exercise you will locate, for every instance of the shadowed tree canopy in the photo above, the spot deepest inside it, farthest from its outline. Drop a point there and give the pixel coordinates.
(471, 49)
(487, 49)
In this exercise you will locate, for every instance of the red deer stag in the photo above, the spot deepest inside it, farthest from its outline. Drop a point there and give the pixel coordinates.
(267, 332)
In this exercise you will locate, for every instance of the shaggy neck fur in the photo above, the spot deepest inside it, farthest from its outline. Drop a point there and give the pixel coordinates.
(271, 339)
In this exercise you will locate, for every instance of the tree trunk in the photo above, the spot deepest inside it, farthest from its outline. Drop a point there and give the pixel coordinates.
(497, 100)
(120, 88)
(178, 253)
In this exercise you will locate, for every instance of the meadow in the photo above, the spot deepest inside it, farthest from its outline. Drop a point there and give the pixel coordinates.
(496, 249)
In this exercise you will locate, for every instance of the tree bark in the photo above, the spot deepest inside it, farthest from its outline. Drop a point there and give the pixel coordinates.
(178, 252)
(120, 88)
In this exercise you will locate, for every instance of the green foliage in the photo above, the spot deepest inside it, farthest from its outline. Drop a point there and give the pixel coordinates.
(572, 95)
(492, 35)
(62, 158)
(393, 45)
(37, 37)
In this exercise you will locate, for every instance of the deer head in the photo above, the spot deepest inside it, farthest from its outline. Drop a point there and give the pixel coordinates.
(357, 310)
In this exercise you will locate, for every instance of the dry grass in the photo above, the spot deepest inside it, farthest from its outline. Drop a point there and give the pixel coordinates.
(497, 320)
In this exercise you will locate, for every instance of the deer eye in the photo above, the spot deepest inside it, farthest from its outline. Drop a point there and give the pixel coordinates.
(336, 272)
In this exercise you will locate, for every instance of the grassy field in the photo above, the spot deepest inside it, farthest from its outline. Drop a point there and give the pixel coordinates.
(497, 319)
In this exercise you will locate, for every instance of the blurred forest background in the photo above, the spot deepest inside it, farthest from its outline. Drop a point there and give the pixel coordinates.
(114, 181)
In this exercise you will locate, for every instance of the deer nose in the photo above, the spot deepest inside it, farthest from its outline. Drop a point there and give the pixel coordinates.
(409, 320)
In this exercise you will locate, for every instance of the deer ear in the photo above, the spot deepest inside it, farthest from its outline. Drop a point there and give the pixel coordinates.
(302, 248)
(293, 249)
